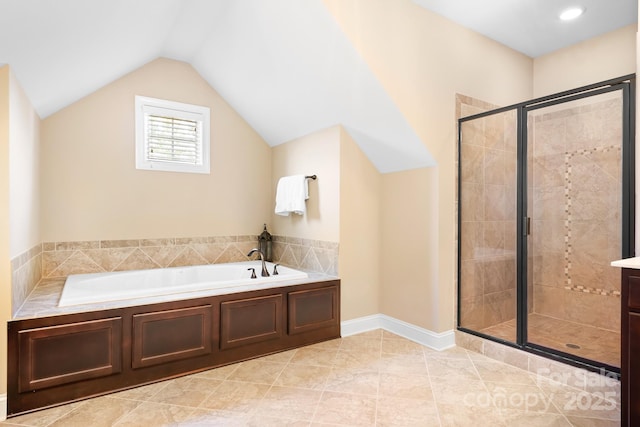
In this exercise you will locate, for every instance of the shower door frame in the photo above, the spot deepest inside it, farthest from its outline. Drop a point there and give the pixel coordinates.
(625, 84)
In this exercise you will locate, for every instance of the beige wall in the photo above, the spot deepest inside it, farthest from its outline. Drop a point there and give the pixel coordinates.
(91, 189)
(24, 173)
(411, 261)
(319, 154)
(19, 190)
(5, 265)
(598, 59)
(360, 228)
(343, 206)
(423, 60)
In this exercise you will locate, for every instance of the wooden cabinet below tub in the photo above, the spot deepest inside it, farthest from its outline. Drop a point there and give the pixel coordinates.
(58, 359)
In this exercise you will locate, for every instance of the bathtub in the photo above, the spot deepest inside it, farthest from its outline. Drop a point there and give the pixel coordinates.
(124, 285)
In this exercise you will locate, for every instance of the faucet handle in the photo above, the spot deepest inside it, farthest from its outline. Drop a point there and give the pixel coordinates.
(253, 273)
(275, 269)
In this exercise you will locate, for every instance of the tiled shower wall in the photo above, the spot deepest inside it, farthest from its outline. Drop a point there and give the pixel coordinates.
(576, 216)
(60, 259)
(488, 217)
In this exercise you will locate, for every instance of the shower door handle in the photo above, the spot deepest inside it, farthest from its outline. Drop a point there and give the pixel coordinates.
(526, 226)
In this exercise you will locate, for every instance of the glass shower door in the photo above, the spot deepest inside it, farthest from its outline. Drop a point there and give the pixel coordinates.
(487, 216)
(574, 210)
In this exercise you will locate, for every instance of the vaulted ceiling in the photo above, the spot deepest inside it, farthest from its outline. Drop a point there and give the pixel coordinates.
(284, 65)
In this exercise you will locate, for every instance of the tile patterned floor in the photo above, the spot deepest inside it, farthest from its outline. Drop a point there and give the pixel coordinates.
(371, 379)
(596, 344)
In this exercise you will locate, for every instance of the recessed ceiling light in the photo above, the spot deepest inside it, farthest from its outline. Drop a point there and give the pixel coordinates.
(571, 13)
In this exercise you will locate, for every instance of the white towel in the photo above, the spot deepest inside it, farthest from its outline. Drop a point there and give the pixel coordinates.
(291, 193)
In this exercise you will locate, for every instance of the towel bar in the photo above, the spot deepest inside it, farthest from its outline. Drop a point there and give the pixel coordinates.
(313, 177)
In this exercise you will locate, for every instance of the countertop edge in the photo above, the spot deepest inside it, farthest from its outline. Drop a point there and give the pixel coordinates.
(633, 263)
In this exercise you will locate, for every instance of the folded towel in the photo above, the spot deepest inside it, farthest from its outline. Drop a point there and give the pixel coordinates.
(291, 193)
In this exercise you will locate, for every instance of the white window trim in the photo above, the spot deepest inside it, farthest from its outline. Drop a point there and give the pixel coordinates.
(145, 106)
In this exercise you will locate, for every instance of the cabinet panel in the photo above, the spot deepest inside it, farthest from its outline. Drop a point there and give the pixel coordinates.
(62, 354)
(251, 320)
(633, 380)
(167, 336)
(312, 309)
(634, 293)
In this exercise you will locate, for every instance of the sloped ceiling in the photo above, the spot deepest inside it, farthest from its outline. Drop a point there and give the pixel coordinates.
(284, 65)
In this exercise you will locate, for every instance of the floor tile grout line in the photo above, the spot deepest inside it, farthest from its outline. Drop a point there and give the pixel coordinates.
(289, 363)
(552, 395)
(255, 411)
(123, 416)
(536, 384)
(375, 412)
(82, 403)
(208, 394)
(315, 410)
(435, 403)
(87, 402)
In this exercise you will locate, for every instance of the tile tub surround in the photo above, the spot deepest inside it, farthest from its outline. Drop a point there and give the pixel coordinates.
(26, 272)
(50, 263)
(60, 259)
(370, 379)
(306, 254)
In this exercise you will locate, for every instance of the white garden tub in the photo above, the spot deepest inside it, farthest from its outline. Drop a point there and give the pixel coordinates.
(123, 285)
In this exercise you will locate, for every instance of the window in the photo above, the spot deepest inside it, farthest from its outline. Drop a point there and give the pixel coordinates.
(171, 136)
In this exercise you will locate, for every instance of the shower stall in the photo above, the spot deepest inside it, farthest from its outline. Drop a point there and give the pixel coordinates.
(545, 203)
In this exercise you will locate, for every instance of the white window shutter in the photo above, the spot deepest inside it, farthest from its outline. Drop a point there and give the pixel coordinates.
(171, 136)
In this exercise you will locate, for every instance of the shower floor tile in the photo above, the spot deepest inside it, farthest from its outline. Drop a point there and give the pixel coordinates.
(592, 343)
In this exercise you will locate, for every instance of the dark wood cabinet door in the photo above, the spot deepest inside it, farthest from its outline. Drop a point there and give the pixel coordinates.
(250, 320)
(170, 335)
(633, 373)
(312, 309)
(62, 354)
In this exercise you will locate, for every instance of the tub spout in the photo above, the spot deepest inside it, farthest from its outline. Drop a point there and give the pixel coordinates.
(265, 273)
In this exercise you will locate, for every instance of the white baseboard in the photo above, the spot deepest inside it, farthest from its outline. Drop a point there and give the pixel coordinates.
(434, 340)
(3, 407)
(360, 325)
